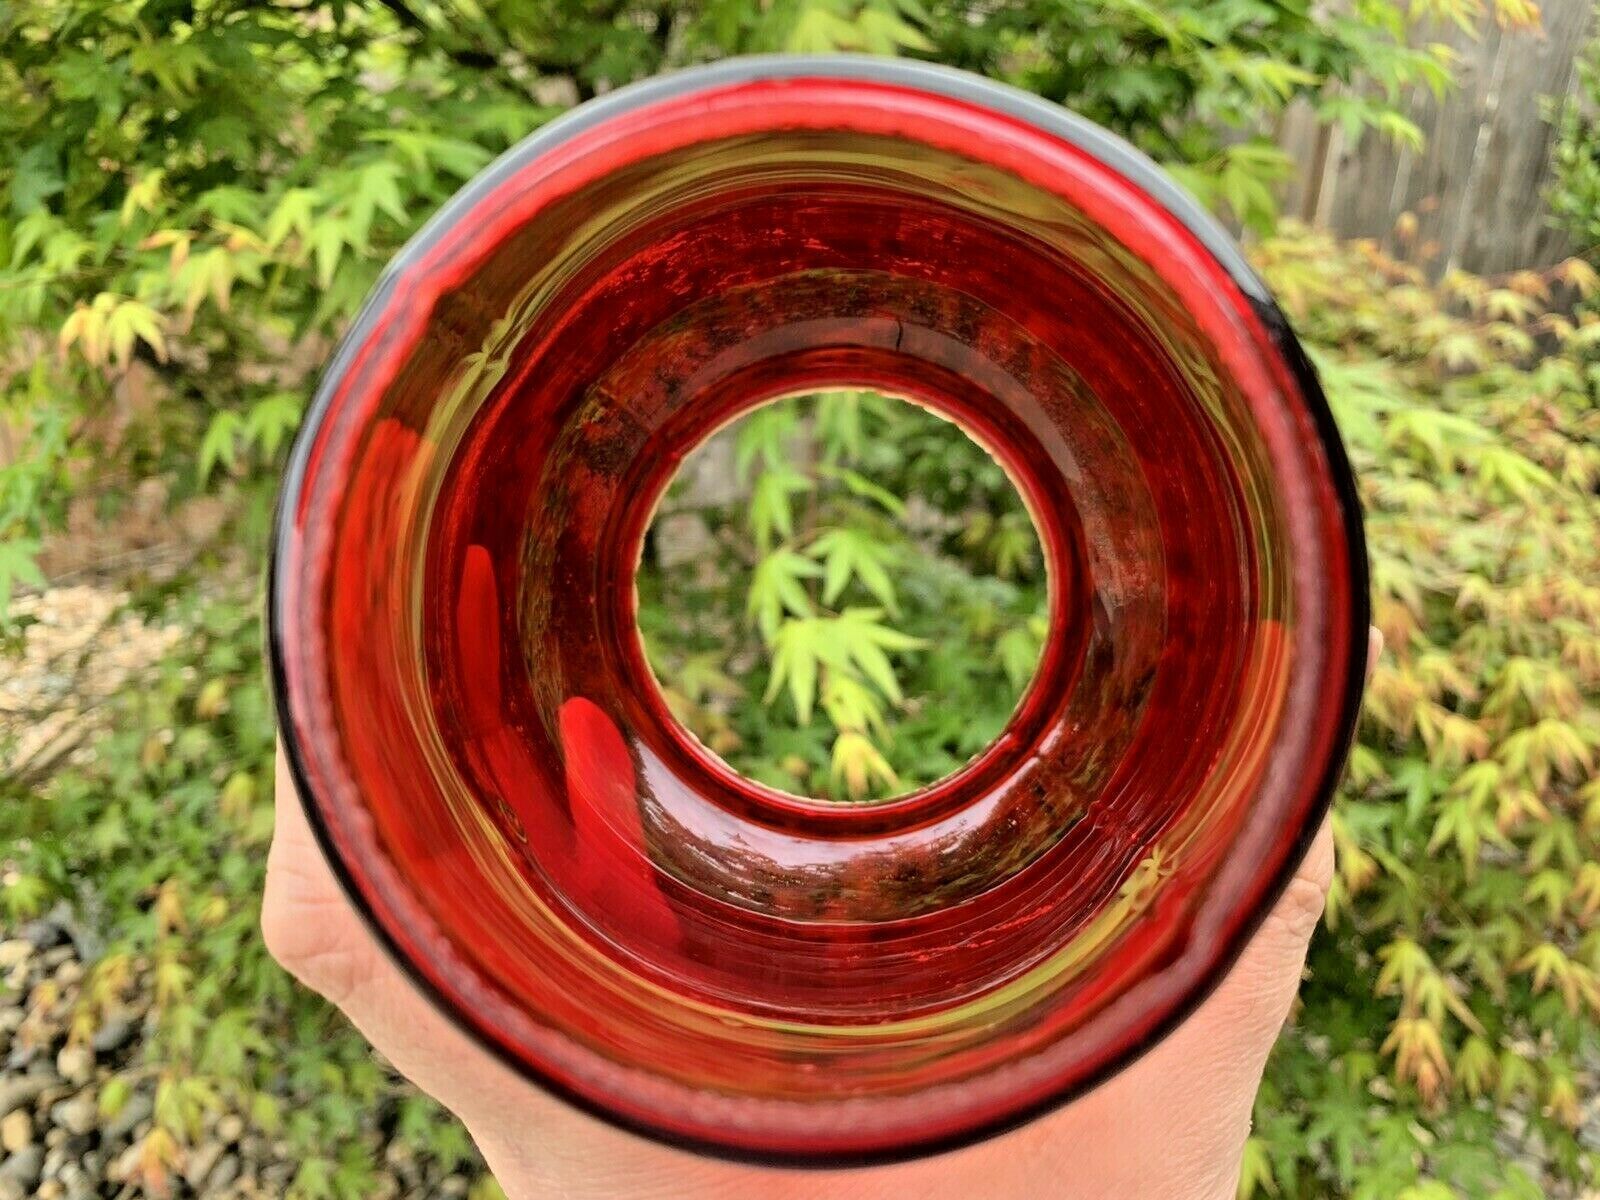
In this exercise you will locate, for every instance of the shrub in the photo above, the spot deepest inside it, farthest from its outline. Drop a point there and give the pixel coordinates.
(1445, 1039)
(913, 641)
(1196, 83)
(199, 194)
(1575, 191)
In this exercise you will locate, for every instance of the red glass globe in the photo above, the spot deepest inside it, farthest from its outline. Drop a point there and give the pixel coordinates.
(490, 765)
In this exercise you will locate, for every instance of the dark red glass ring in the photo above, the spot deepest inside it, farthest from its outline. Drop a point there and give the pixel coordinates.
(490, 766)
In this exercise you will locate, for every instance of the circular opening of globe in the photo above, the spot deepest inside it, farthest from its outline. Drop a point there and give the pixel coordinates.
(843, 596)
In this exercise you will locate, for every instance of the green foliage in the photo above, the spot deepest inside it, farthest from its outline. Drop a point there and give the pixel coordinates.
(197, 198)
(1453, 1004)
(165, 830)
(198, 195)
(1575, 193)
(1197, 83)
(914, 643)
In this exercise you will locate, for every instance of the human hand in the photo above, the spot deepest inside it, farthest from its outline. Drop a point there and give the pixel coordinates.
(1172, 1126)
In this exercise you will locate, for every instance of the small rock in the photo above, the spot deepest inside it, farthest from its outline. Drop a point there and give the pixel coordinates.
(225, 1172)
(51, 1189)
(276, 1176)
(54, 1159)
(14, 953)
(135, 1109)
(198, 1163)
(19, 1174)
(88, 945)
(76, 1063)
(69, 972)
(126, 1164)
(112, 1036)
(76, 1115)
(60, 957)
(43, 934)
(230, 1128)
(16, 1130)
(24, 1089)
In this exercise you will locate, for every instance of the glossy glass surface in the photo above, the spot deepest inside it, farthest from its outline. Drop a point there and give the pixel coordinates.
(478, 737)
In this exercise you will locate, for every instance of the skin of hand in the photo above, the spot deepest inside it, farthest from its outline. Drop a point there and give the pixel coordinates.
(1172, 1126)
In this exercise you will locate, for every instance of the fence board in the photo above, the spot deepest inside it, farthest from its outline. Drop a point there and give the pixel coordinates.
(1477, 187)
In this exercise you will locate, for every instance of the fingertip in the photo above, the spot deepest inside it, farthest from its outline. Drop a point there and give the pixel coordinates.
(288, 817)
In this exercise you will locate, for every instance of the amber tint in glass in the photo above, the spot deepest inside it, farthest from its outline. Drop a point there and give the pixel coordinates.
(475, 730)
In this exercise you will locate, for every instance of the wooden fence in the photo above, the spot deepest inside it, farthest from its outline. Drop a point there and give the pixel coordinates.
(1477, 187)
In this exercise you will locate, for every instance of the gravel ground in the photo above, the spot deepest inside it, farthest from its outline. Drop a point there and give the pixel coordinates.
(80, 647)
(77, 1100)
(62, 1140)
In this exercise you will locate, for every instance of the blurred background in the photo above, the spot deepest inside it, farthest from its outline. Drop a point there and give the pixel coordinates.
(842, 596)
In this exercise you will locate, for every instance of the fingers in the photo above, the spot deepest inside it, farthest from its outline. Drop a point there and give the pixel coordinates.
(1182, 1111)
(305, 919)
(1232, 1032)
(535, 1144)
(312, 930)
(1270, 967)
